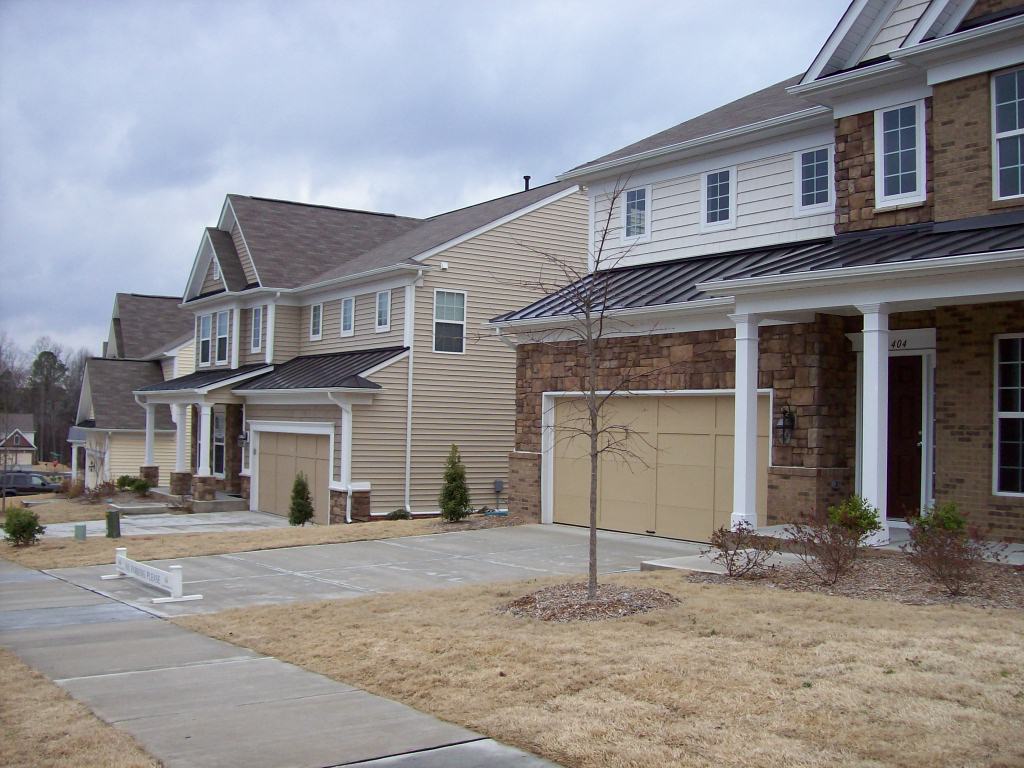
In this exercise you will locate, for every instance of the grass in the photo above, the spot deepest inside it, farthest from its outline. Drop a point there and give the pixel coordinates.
(43, 727)
(68, 553)
(59, 510)
(733, 676)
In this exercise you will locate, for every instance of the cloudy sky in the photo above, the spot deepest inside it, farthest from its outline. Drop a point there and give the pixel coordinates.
(123, 124)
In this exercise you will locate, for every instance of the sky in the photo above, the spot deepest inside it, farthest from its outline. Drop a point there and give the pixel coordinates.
(123, 124)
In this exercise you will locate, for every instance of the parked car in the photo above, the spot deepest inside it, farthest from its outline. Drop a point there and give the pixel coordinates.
(24, 483)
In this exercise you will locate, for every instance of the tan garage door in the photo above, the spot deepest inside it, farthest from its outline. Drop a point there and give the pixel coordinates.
(677, 482)
(282, 457)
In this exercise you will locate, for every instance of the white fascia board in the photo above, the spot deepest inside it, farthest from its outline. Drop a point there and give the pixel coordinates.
(359, 277)
(834, 40)
(383, 280)
(850, 275)
(673, 151)
(306, 397)
(193, 275)
(972, 51)
(927, 20)
(846, 82)
(682, 308)
(496, 223)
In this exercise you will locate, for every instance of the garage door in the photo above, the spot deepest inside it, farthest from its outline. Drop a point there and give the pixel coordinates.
(282, 456)
(676, 480)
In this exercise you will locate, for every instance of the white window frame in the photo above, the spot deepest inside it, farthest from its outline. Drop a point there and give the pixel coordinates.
(997, 415)
(996, 136)
(208, 339)
(376, 312)
(799, 209)
(351, 301)
(227, 340)
(256, 329)
(729, 223)
(215, 268)
(919, 195)
(648, 199)
(318, 311)
(434, 321)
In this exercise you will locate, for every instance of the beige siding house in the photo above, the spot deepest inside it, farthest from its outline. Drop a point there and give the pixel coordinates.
(349, 346)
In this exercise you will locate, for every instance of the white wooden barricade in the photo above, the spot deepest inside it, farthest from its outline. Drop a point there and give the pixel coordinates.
(169, 581)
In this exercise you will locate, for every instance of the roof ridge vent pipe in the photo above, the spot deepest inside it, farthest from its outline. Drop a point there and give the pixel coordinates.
(526, 183)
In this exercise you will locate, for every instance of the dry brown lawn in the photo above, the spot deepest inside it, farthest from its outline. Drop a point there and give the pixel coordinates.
(732, 676)
(57, 510)
(68, 553)
(43, 727)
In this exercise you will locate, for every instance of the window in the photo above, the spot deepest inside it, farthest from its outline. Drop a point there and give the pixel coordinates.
(222, 337)
(383, 311)
(450, 321)
(718, 200)
(316, 322)
(813, 169)
(635, 214)
(1008, 124)
(1009, 446)
(899, 155)
(215, 269)
(348, 316)
(204, 339)
(217, 459)
(257, 329)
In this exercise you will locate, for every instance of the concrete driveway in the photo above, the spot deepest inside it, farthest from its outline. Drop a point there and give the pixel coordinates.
(332, 571)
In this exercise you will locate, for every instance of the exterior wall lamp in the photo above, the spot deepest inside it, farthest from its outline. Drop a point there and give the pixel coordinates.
(785, 425)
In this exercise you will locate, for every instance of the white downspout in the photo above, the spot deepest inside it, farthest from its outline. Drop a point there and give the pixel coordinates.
(410, 335)
(504, 339)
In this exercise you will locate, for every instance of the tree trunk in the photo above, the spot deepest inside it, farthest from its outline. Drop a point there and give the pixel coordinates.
(594, 455)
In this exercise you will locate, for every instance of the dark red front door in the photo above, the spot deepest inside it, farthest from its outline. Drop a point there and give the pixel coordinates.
(904, 478)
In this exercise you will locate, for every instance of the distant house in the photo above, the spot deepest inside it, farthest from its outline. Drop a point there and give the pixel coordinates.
(17, 439)
(150, 340)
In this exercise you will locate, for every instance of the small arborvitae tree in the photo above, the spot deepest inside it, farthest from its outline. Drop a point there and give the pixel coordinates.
(22, 527)
(301, 510)
(454, 498)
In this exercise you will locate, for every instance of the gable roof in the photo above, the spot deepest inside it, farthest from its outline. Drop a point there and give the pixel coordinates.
(111, 384)
(291, 243)
(228, 259)
(342, 370)
(765, 104)
(441, 229)
(23, 422)
(16, 439)
(146, 325)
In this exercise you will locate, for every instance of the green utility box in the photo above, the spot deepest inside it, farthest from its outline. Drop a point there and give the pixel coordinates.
(113, 524)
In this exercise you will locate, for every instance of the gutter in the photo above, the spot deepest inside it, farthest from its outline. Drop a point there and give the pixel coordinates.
(697, 306)
(653, 154)
(975, 38)
(853, 77)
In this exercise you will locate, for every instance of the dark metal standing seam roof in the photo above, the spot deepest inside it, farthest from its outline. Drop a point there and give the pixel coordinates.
(201, 379)
(673, 282)
(331, 371)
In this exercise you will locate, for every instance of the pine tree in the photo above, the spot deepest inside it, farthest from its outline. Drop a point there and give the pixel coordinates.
(301, 510)
(454, 497)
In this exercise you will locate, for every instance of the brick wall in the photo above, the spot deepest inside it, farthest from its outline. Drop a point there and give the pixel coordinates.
(964, 414)
(855, 177)
(524, 485)
(963, 150)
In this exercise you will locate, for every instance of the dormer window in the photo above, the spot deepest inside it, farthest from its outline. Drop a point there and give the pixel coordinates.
(899, 155)
(718, 200)
(636, 214)
(813, 179)
(1008, 130)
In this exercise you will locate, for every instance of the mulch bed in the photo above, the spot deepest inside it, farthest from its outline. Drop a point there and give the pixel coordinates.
(477, 522)
(892, 577)
(568, 602)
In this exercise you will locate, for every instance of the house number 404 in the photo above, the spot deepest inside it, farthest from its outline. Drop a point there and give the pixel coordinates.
(900, 343)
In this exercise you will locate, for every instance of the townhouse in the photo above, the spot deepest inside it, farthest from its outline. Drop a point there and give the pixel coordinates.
(347, 345)
(815, 290)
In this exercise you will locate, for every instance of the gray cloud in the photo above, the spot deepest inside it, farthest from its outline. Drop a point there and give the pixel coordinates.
(123, 124)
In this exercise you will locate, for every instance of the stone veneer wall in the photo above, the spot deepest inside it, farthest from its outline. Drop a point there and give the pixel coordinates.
(855, 177)
(964, 402)
(962, 153)
(360, 507)
(985, 7)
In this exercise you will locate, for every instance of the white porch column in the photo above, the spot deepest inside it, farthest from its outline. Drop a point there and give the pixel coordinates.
(205, 428)
(180, 443)
(74, 462)
(744, 479)
(150, 426)
(875, 412)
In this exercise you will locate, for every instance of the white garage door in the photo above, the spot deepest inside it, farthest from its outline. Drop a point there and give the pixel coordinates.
(281, 457)
(677, 482)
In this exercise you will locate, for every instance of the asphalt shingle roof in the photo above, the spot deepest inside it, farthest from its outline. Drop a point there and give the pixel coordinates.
(332, 371)
(111, 383)
(227, 257)
(147, 325)
(26, 422)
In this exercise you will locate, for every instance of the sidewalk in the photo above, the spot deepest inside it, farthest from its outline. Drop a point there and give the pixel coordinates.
(191, 700)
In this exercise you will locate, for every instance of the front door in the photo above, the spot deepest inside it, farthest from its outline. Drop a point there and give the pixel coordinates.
(905, 437)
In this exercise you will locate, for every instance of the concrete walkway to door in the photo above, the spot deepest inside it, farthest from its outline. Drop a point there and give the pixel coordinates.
(360, 568)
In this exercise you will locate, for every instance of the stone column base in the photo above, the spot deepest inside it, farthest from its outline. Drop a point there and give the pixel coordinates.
(244, 483)
(151, 475)
(181, 483)
(204, 488)
(360, 507)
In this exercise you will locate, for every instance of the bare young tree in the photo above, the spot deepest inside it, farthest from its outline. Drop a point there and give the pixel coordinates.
(582, 300)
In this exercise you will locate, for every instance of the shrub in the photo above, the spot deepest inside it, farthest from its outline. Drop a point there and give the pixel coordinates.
(399, 514)
(125, 482)
(742, 552)
(941, 546)
(856, 515)
(301, 510)
(101, 492)
(946, 517)
(22, 527)
(454, 496)
(72, 489)
(140, 487)
(827, 551)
